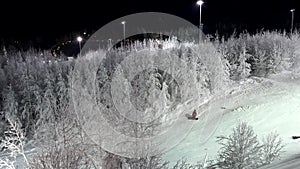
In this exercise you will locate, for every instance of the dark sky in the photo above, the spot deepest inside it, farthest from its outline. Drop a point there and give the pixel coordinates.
(49, 20)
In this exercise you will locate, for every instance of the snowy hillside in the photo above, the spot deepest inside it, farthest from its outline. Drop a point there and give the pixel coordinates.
(275, 108)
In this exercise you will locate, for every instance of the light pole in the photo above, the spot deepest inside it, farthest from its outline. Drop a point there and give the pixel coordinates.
(123, 23)
(79, 39)
(109, 45)
(292, 24)
(200, 3)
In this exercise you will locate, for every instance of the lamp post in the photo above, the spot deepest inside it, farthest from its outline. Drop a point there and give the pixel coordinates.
(109, 45)
(200, 3)
(123, 23)
(292, 24)
(79, 39)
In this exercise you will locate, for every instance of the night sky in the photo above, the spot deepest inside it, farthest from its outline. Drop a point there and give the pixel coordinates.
(45, 22)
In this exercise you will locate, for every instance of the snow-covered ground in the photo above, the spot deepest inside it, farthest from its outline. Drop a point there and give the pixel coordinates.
(292, 162)
(267, 108)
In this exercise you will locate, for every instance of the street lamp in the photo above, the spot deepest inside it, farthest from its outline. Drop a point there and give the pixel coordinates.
(109, 45)
(123, 23)
(292, 24)
(200, 3)
(79, 39)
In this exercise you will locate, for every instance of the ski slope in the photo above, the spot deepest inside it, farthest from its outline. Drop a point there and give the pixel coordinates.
(273, 108)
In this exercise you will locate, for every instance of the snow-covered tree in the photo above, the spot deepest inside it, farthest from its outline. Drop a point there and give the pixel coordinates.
(271, 149)
(241, 150)
(59, 137)
(13, 144)
(10, 104)
(150, 162)
(216, 67)
(244, 68)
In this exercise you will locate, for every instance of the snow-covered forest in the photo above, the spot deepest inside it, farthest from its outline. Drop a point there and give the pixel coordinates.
(69, 114)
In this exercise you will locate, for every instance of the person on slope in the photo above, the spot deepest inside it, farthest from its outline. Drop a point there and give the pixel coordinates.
(194, 114)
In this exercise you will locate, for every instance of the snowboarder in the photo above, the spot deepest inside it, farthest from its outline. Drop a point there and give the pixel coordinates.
(194, 114)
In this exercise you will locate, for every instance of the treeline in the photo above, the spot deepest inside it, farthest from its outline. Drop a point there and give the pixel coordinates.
(260, 54)
(26, 78)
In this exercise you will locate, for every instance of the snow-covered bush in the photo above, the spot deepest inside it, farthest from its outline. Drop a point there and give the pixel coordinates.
(61, 143)
(155, 162)
(272, 146)
(13, 146)
(183, 164)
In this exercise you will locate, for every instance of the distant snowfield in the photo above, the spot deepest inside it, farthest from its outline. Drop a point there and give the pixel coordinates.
(273, 108)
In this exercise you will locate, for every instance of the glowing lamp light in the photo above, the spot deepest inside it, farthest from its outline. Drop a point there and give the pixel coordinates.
(199, 2)
(79, 39)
